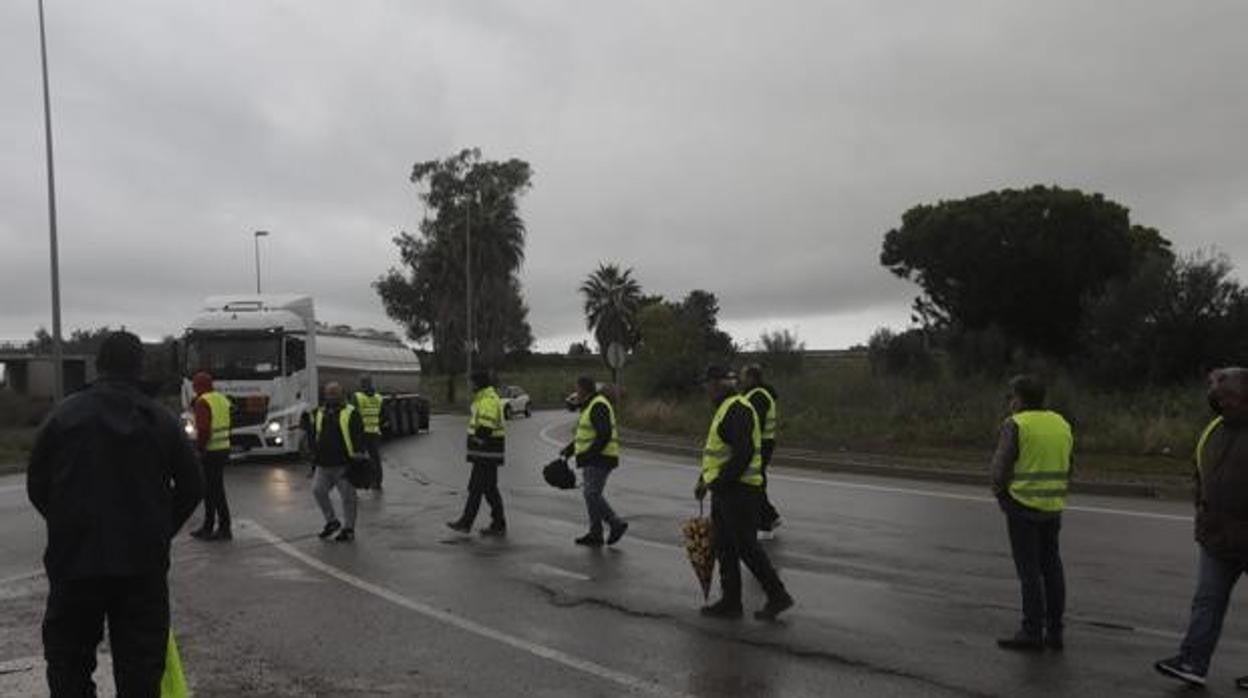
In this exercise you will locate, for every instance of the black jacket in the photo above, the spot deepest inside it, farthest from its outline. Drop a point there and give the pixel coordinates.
(737, 430)
(115, 478)
(1222, 494)
(328, 448)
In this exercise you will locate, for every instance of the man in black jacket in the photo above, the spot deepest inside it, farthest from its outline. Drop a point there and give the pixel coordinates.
(763, 399)
(337, 433)
(114, 476)
(596, 447)
(1221, 524)
(732, 472)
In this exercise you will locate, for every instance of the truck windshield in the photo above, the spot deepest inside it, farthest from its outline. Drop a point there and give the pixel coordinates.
(234, 357)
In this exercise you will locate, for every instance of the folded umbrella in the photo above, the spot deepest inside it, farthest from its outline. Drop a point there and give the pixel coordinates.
(700, 546)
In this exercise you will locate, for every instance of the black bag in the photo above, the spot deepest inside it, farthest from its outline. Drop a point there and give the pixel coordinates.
(558, 475)
(359, 473)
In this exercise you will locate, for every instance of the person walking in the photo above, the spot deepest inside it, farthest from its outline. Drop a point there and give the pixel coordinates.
(1221, 460)
(369, 402)
(336, 429)
(1030, 476)
(762, 398)
(114, 478)
(212, 437)
(732, 472)
(486, 449)
(596, 448)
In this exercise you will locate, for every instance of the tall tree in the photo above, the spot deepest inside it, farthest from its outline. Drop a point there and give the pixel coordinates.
(1027, 262)
(612, 299)
(476, 199)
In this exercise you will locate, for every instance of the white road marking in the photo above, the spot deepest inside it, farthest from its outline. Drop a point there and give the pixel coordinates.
(5, 489)
(543, 568)
(586, 666)
(25, 576)
(937, 494)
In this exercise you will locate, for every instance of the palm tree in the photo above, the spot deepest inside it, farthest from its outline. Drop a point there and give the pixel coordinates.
(612, 299)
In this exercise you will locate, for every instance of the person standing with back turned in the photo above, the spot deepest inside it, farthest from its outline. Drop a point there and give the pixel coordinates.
(762, 398)
(732, 468)
(114, 477)
(486, 448)
(369, 402)
(1030, 478)
(212, 436)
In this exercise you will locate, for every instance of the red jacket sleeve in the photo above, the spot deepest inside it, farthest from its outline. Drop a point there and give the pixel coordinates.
(203, 423)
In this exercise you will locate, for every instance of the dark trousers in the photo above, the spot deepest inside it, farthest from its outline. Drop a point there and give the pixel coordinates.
(484, 483)
(594, 481)
(372, 444)
(137, 610)
(767, 514)
(1038, 561)
(734, 514)
(216, 509)
(1213, 595)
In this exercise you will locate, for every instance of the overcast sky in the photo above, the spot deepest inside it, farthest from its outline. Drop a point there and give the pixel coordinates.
(759, 150)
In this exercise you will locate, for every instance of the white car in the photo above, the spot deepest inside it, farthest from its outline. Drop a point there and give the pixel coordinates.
(515, 401)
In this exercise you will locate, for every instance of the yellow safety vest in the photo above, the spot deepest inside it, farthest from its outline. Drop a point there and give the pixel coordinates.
(344, 424)
(370, 411)
(1200, 443)
(586, 434)
(1042, 473)
(487, 411)
(773, 414)
(716, 453)
(219, 408)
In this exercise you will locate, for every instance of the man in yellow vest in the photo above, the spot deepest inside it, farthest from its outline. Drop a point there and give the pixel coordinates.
(486, 448)
(1221, 524)
(1030, 478)
(212, 431)
(369, 403)
(596, 447)
(336, 429)
(762, 398)
(732, 470)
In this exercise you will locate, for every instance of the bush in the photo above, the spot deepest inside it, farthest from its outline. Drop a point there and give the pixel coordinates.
(906, 354)
(782, 351)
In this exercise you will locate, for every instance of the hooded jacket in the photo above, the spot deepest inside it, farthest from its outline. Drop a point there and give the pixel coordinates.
(115, 478)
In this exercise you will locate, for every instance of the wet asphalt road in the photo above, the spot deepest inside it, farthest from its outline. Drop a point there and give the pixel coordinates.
(901, 588)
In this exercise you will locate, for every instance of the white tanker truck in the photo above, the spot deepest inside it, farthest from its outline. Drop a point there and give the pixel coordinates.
(268, 354)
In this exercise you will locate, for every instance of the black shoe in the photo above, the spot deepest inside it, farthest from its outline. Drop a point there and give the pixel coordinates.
(221, 534)
(202, 533)
(1053, 640)
(346, 535)
(1022, 641)
(459, 526)
(591, 540)
(329, 529)
(495, 529)
(723, 609)
(774, 608)
(617, 532)
(1177, 668)
(1242, 683)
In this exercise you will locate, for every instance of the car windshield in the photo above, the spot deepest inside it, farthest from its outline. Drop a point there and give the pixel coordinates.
(234, 357)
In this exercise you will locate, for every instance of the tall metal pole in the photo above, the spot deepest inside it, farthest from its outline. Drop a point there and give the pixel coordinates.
(256, 236)
(468, 290)
(58, 352)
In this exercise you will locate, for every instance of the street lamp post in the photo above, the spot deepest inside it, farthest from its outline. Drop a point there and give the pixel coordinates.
(468, 292)
(256, 236)
(58, 358)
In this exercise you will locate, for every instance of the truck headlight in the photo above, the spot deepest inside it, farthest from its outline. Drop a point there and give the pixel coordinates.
(273, 427)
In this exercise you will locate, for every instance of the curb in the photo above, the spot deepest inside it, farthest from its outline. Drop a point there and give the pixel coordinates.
(958, 477)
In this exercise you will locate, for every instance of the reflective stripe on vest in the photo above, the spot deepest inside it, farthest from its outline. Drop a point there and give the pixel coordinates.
(1042, 473)
(716, 453)
(1200, 443)
(344, 424)
(219, 408)
(773, 414)
(586, 434)
(370, 411)
(487, 411)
